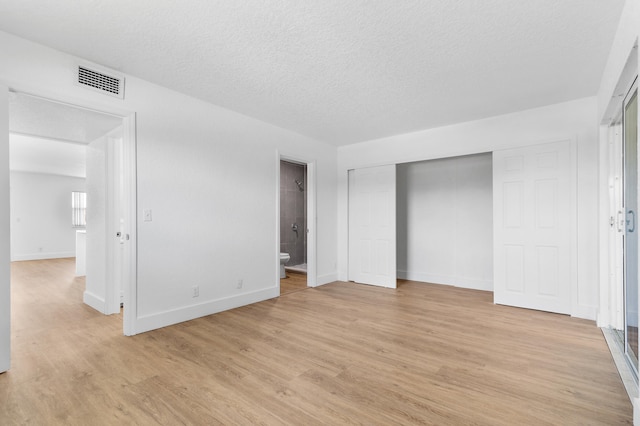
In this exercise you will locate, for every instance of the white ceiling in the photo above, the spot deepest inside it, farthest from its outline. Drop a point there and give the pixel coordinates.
(38, 155)
(341, 71)
(40, 117)
(50, 137)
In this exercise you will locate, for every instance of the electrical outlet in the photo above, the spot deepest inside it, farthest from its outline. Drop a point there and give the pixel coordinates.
(195, 291)
(239, 285)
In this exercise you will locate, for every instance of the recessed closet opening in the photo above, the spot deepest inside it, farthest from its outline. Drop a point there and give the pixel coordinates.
(444, 221)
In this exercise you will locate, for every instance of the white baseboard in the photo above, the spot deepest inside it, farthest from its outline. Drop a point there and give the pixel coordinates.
(471, 283)
(187, 313)
(326, 279)
(585, 312)
(602, 318)
(94, 301)
(42, 256)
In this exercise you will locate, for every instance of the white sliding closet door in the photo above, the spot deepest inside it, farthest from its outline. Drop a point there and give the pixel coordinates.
(534, 226)
(372, 226)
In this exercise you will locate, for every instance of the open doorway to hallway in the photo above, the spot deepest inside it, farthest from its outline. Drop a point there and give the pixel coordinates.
(57, 149)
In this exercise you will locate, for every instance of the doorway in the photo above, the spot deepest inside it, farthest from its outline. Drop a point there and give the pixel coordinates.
(101, 144)
(293, 226)
(296, 220)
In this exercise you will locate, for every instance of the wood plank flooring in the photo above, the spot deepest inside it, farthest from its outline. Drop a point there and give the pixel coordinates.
(338, 354)
(295, 281)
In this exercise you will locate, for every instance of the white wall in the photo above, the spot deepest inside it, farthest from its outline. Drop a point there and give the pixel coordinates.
(445, 221)
(575, 120)
(41, 215)
(209, 176)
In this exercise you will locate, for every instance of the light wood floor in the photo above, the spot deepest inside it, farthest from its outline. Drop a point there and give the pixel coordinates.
(337, 354)
(295, 281)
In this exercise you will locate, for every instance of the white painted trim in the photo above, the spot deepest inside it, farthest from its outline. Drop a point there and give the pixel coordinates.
(471, 283)
(5, 232)
(326, 279)
(276, 274)
(312, 225)
(585, 312)
(577, 310)
(178, 315)
(42, 256)
(604, 318)
(130, 254)
(94, 301)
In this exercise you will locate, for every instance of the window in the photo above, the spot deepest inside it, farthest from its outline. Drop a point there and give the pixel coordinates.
(78, 209)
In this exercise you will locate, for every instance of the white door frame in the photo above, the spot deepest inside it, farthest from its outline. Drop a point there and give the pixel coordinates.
(312, 275)
(129, 283)
(130, 197)
(5, 241)
(615, 266)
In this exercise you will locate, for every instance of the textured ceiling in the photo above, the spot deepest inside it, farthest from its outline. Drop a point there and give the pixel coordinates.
(341, 71)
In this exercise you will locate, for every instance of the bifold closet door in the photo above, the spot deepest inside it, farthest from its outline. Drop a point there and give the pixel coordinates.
(372, 226)
(534, 226)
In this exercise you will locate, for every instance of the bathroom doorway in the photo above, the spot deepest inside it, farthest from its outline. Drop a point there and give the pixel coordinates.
(294, 229)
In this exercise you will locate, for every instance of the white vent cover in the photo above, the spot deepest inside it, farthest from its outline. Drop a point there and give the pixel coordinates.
(99, 81)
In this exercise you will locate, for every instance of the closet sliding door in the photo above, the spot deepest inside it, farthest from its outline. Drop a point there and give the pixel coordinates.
(372, 226)
(534, 208)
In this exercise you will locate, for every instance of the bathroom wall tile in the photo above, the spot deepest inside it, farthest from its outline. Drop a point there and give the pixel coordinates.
(293, 210)
(299, 206)
(285, 230)
(290, 203)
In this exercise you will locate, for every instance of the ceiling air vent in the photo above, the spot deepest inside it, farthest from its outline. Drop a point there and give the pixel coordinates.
(101, 82)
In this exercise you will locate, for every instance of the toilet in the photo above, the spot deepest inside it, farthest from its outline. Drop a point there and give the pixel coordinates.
(284, 258)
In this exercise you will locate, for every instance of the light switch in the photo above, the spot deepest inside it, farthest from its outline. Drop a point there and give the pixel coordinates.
(146, 214)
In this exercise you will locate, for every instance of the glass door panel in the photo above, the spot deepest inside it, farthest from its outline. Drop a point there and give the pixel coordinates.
(630, 125)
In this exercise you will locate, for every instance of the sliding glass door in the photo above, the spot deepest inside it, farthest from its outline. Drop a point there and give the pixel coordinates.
(630, 139)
